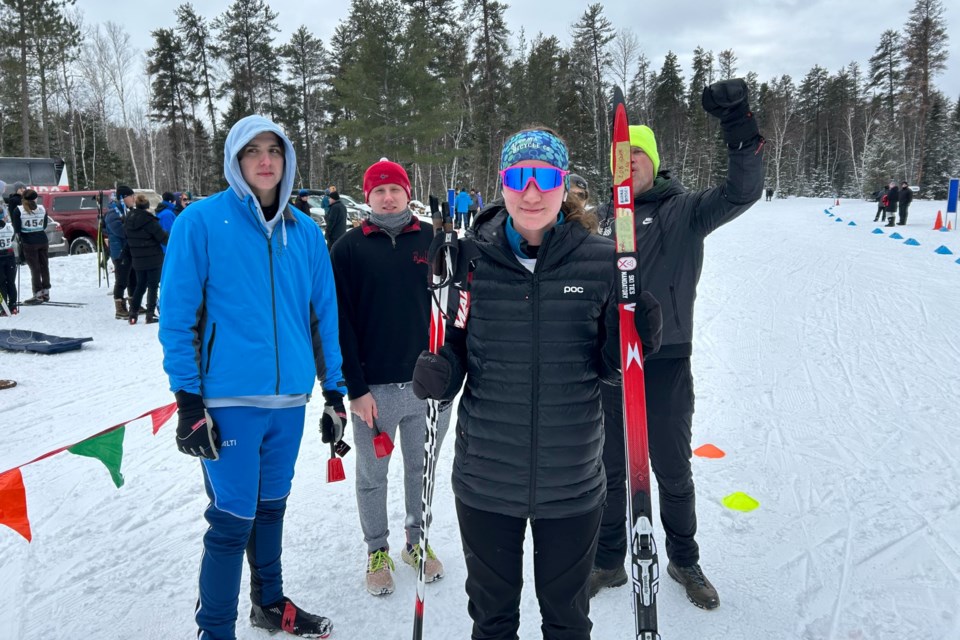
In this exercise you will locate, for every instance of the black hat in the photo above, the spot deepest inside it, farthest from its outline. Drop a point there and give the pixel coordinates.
(123, 191)
(168, 196)
(334, 195)
(578, 181)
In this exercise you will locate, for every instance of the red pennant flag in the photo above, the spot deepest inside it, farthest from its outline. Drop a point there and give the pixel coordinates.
(161, 415)
(13, 503)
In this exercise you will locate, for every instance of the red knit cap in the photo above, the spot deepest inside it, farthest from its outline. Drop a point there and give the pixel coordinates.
(384, 172)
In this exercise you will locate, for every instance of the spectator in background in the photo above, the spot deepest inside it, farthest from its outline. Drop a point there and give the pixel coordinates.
(336, 219)
(462, 205)
(303, 201)
(165, 212)
(8, 263)
(579, 192)
(880, 194)
(30, 222)
(472, 209)
(893, 199)
(906, 197)
(145, 241)
(124, 276)
(183, 199)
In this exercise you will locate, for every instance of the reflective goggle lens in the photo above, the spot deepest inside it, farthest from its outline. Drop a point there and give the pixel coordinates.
(546, 178)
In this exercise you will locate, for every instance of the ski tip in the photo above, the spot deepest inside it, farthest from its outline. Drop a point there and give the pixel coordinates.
(617, 95)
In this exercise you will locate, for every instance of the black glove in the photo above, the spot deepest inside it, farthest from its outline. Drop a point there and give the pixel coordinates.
(437, 376)
(727, 100)
(197, 433)
(649, 323)
(443, 244)
(334, 417)
(434, 205)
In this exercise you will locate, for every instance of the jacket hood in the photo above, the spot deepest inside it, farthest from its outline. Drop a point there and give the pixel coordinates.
(245, 130)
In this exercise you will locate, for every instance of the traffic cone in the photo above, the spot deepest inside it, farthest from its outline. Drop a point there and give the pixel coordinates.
(949, 226)
(838, 202)
(939, 222)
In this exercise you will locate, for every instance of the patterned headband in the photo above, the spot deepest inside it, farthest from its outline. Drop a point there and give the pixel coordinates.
(534, 145)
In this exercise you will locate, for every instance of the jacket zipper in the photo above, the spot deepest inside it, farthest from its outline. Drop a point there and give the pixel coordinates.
(534, 422)
(213, 336)
(273, 305)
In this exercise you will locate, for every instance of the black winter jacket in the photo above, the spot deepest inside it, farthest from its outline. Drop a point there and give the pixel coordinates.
(534, 347)
(672, 224)
(145, 239)
(383, 302)
(336, 218)
(906, 197)
(893, 197)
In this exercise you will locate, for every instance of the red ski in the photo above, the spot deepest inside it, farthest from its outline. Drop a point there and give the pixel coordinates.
(645, 572)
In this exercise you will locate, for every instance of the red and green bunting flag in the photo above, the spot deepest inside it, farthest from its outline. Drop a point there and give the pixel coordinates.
(106, 446)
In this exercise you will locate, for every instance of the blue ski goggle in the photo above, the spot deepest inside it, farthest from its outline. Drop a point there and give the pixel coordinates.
(545, 178)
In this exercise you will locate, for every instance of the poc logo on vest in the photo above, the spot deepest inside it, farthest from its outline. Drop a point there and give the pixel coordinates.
(573, 289)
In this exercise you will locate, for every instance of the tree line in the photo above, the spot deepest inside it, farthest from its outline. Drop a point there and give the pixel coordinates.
(441, 91)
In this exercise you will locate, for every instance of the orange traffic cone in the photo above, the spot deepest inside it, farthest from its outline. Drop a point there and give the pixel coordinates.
(949, 226)
(838, 201)
(939, 222)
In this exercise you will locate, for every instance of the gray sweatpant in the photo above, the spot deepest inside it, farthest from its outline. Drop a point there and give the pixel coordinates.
(397, 406)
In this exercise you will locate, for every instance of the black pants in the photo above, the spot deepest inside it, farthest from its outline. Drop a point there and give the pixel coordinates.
(903, 214)
(38, 259)
(148, 281)
(8, 280)
(563, 557)
(669, 391)
(124, 277)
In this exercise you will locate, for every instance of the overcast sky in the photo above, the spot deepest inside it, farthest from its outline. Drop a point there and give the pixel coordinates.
(771, 37)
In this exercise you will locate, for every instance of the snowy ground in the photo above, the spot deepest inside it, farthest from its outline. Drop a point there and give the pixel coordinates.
(826, 366)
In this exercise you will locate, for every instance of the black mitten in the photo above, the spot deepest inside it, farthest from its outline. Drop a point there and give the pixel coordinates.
(437, 376)
(197, 433)
(728, 101)
(649, 322)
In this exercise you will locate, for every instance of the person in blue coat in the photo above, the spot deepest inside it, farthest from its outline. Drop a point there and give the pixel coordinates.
(166, 213)
(252, 324)
(124, 275)
(462, 204)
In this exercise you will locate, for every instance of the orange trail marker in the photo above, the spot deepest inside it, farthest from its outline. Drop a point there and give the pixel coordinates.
(709, 451)
(740, 501)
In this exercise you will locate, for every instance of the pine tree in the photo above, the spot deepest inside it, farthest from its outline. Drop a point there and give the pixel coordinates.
(166, 64)
(885, 68)
(591, 35)
(245, 45)
(926, 54)
(669, 112)
(305, 59)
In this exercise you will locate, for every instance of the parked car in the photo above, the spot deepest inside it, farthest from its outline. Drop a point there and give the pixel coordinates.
(356, 212)
(77, 212)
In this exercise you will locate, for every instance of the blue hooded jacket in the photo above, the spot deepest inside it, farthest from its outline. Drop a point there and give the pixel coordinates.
(248, 313)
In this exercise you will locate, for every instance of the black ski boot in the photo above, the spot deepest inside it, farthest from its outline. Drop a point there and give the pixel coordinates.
(699, 590)
(603, 578)
(286, 616)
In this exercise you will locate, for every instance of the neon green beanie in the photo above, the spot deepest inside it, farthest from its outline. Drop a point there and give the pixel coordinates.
(641, 136)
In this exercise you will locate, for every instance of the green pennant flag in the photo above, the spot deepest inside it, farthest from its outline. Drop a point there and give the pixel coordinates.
(108, 449)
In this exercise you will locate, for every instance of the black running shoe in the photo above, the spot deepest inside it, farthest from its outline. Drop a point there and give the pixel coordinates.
(286, 616)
